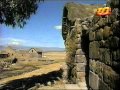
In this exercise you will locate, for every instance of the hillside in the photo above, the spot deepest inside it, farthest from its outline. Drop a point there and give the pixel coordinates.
(44, 49)
(79, 10)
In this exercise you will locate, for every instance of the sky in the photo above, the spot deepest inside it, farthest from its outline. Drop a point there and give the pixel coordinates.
(43, 29)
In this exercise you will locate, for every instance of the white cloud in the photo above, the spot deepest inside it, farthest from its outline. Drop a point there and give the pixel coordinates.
(58, 27)
(12, 41)
(15, 43)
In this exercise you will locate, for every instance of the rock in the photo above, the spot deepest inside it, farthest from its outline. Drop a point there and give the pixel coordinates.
(91, 35)
(93, 80)
(114, 42)
(54, 82)
(116, 55)
(84, 27)
(101, 22)
(80, 75)
(78, 46)
(99, 34)
(78, 36)
(80, 67)
(78, 40)
(79, 52)
(37, 85)
(95, 27)
(94, 50)
(80, 58)
(116, 29)
(65, 81)
(58, 78)
(33, 88)
(106, 32)
(103, 86)
(105, 56)
(65, 74)
(49, 83)
(42, 85)
(109, 75)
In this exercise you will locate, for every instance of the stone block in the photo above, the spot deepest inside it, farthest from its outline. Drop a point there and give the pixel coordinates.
(80, 67)
(114, 42)
(103, 86)
(107, 44)
(73, 79)
(101, 22)
(73, 71)
(96, 67)
(101, 54)
(78, 40)
(106, 32)
(99, 34)
(111, 77)
(95, 27)
(94, 50)
(81, 78)
(116, 55)
(116, 29)
(78, 36)
(91, 35)
(80, 74)
(105, 56)
(80, 58)
(93, 80)
(99, 69)
(92, 65)
(116, 66)
(79, 52)
(84, 27)
(78, 46)
(79, 30)
(102, 43)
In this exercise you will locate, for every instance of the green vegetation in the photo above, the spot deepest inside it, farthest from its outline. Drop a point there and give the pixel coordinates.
(16, 12)
(80, 10)
(71, 45)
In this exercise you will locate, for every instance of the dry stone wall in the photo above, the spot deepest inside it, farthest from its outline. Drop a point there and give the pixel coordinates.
(93, 49)
(104, 51)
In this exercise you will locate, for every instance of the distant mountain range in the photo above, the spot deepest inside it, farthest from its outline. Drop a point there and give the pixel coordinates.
(44, 49)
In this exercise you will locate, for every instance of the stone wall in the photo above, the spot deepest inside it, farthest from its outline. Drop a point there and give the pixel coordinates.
(76, 47)
(93, 49)
(76, 58)
(104, 51)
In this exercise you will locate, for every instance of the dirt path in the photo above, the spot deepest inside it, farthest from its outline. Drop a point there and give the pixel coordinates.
(44, 70)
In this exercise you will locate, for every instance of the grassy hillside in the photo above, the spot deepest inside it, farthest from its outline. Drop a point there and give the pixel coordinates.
(80, 10)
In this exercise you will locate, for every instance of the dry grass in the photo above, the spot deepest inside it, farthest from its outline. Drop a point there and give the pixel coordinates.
(57, 56)
(43, 70)
(29, 65)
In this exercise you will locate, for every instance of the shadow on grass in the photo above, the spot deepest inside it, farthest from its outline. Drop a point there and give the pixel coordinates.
(26, 83)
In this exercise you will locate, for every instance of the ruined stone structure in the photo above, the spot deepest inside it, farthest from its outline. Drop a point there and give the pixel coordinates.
(93, 48)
